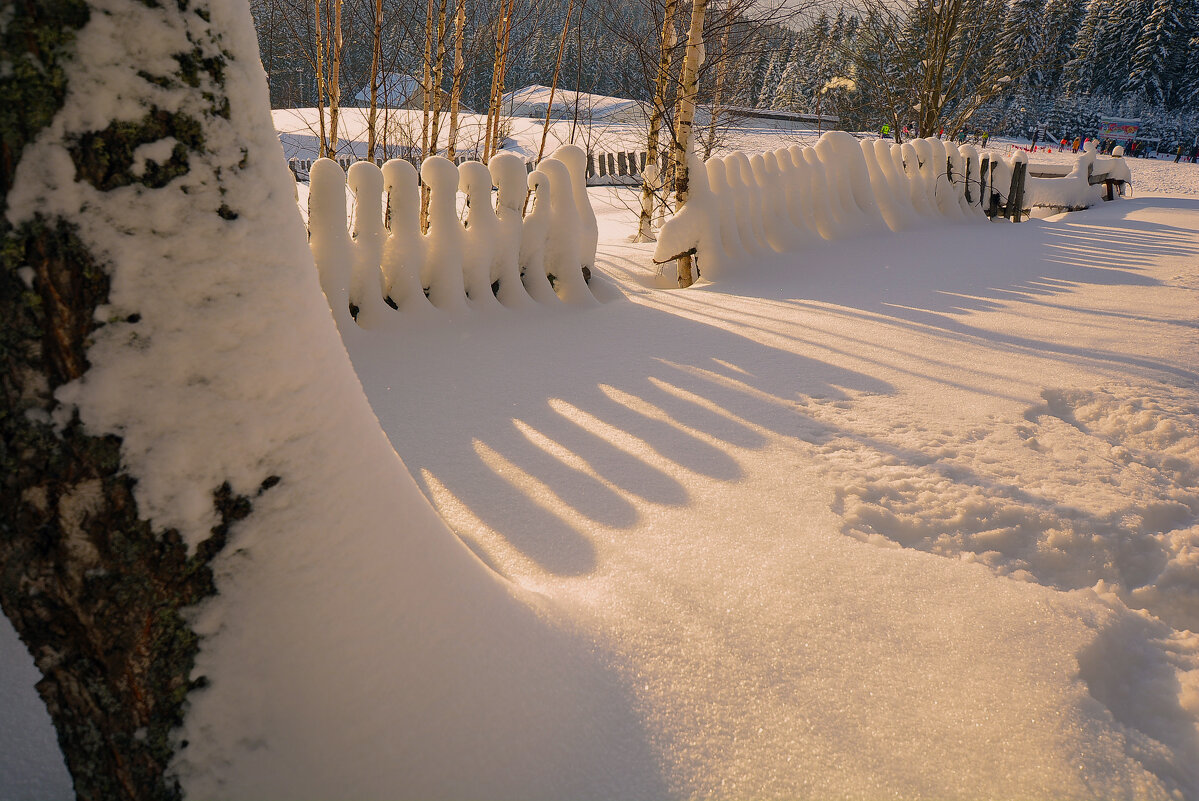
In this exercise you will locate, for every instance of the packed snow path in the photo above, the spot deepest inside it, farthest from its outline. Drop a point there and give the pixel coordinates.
(740, 491)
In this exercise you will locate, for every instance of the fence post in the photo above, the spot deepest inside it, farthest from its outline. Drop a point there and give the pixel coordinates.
(983, 175)
(622, 163)
(611, 164)
(1015, 198)
(590, 164)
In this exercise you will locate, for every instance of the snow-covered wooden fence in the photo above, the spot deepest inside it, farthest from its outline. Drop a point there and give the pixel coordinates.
(742, 207)
(620, 168)
(1065, 187)
(381, 267)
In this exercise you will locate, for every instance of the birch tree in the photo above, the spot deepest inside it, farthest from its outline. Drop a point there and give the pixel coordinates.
(656, 112)
(688, 91)
(98, 592)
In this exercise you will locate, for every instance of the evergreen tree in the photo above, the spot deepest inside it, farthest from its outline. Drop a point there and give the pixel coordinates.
(1019, 50)
(1063, 19)
(1159, 59)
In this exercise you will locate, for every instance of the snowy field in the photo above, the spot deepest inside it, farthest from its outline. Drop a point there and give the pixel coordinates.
(914, 515)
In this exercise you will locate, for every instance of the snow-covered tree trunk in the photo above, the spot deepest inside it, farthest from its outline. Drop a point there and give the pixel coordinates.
(96, 589)
(688, 91)
(656, 113)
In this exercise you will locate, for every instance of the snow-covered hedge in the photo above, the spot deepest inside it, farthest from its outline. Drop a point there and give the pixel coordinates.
(741, 207)
(381, 266)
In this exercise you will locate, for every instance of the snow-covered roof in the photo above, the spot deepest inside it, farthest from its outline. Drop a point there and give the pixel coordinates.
(395, 89)
(532, 101)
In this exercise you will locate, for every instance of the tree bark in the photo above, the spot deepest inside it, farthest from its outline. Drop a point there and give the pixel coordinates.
(334, 84)
(656, 113)
(688, 91)
(456, 87)
(376, 60)
(94, 591)
(320, 83)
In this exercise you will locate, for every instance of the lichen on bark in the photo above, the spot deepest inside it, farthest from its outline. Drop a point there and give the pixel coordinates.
(95, 592)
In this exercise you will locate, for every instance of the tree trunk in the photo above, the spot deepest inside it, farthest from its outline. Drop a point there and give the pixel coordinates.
(376, 59)
(657, 110)
(456, 88)
(438, 71)
(335, 78)
(545, 128)
(500, 74)
(688, 91)
(426, 84)
(95, 591)
(320, 83)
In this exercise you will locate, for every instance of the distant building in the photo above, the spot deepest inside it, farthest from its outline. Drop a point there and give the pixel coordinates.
(827, 121)
(532, 101)
(398, 90)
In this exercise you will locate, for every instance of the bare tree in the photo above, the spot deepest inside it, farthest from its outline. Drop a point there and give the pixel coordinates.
(925, 61)
(656, 112)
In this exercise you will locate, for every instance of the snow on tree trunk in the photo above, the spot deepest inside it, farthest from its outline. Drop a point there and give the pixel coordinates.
(99, 561)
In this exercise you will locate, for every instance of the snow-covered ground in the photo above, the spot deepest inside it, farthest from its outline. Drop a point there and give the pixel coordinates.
(911, 515)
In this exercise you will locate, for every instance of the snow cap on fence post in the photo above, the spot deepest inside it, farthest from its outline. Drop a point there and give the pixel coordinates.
(775, 229)
(404, 249)
(695, 228)
(328, 236)
(725, 211)
(443, 254)
(881, 187)
(576, 164)
(366, 280)
(972, 166)
(535, 232)
(509, 176)
(827, 223)
(562, 245)
(481, 236)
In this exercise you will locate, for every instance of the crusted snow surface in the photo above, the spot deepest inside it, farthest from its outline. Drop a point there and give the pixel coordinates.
(874, 520)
